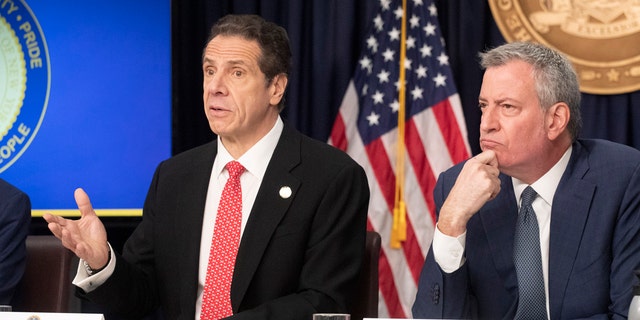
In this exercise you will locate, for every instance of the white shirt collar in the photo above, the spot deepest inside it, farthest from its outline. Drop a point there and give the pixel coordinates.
(256, 159)
(547, 184)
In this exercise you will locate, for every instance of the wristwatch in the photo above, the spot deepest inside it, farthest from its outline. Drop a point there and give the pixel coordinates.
(91, 271)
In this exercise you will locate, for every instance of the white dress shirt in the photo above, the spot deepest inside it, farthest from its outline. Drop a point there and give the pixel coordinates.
(448, 251)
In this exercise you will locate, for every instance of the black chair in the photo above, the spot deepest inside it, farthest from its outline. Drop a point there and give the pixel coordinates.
(366, 300)
(46, 285)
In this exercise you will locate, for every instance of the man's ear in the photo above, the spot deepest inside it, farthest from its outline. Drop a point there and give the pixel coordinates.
(557, 120)
(278, 86)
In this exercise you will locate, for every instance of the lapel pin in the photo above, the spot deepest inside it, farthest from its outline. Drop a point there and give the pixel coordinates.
(285, 192)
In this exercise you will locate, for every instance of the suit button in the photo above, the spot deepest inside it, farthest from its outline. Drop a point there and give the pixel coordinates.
(435, 293)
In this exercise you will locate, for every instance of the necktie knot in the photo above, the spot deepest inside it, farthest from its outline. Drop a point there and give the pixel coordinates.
(528, 195)
(235, 169)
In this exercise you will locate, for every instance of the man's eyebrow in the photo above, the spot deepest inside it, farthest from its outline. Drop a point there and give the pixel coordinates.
(502, 100)
(237, 62)
(498, 101)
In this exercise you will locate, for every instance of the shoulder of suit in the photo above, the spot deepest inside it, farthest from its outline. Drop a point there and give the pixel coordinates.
(607, 149)
(7, 189)
(205, 152)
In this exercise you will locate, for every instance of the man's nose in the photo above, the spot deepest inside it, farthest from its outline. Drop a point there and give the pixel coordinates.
(488, 120)
(215, 84)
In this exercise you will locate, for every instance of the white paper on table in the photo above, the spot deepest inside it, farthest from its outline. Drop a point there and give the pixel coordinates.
(49, 316)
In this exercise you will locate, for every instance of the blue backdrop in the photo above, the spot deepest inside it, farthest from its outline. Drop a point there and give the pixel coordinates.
(107, 123)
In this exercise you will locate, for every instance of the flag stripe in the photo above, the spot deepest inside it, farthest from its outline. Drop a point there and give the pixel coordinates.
(400, 269)
(422, 167)
(338, 137)
(455, 142)
(382, 168)
(387, 286)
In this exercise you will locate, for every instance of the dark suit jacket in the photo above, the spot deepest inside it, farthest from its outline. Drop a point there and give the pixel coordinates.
(15, 218)
(593, 250)
(297, 255)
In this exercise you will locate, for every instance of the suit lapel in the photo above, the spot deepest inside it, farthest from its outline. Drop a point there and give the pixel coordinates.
(267, 211)
(190, 219)
(569, 214)
(499, 227)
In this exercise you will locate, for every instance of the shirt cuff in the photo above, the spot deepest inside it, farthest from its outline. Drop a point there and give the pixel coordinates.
(89, 283)
(448, 251)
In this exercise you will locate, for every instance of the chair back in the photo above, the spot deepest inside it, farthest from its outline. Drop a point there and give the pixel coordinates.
(366, 300)
(46, 285)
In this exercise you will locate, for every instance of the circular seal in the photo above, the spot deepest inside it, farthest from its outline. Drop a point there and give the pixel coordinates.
(25, 79)
(600, 37)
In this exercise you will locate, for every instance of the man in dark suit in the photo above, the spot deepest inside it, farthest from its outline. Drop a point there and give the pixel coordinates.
(304, 203)
(15, 218)
(586, 205)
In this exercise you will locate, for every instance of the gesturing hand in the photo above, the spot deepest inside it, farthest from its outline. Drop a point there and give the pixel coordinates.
(86, 237)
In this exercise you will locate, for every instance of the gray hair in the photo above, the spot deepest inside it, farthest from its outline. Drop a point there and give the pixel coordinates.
(555, 78)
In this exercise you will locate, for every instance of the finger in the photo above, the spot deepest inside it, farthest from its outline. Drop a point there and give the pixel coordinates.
(54, 223)
(83, 202)
(495, 192)
(51, 218)
(494, 172)
(487, 157)
(55, 229)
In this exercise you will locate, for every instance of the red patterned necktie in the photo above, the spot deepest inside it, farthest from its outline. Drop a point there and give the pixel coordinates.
(216, 299)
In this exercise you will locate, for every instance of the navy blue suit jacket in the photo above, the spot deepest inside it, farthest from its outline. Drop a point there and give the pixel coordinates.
(15, 218)
(594, 244)
(298, 255)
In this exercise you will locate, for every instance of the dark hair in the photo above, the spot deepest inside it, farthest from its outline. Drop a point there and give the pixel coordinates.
(272, 39)
(555, 78)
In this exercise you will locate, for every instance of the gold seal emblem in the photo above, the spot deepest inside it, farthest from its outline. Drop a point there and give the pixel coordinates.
(13, 77)
(24, 79)
(600, 37)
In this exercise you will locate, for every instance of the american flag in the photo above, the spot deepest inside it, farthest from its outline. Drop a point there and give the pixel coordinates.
(435, 137)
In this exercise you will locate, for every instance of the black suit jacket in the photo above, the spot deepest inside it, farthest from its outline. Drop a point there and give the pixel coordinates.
(297, 255)
(15, 218)
(594, 244)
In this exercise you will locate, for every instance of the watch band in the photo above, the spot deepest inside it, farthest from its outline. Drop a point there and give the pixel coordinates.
(91, 271)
